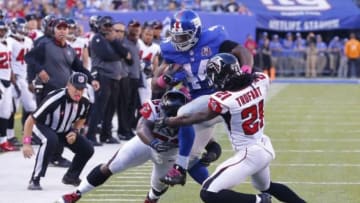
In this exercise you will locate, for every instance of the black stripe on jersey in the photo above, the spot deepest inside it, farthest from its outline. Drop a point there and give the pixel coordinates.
(58, 111)
(69, 116)
(227, 119)
(61, 117)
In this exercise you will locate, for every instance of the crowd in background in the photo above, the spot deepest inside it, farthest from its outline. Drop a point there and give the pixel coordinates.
(75, 8)
(309, 56)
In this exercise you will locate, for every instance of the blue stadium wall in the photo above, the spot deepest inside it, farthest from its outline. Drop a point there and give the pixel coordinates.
(238, 26)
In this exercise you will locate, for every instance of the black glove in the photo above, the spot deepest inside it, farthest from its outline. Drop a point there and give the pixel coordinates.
(161, 146)
(213, 152)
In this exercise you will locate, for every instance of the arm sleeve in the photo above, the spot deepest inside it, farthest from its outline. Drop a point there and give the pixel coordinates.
(100, 48)
(35, 59)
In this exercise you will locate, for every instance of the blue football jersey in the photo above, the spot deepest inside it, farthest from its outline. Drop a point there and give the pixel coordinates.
(194, 61)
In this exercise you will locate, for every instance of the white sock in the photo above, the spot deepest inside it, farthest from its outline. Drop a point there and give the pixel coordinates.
(10, 133)
(152, 195)
(85, 186)
(258, 199)
(3, 140)
(182, 161)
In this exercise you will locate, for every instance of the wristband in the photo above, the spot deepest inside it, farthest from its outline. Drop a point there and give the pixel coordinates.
(161, 82)
(246, 69)
(27, 139)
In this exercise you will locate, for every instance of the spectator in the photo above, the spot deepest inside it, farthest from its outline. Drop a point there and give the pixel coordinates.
(334, 50)
(322, 55)
(218, 7)
(352, 51)
(343, 65)
(250, 44)
(232, 6)
(311, 56)
(276, 50)
(266, 60)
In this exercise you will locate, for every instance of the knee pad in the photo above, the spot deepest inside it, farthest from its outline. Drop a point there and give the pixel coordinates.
(97, 176)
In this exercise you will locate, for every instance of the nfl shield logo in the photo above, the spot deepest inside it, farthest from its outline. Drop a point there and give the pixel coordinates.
(81, 79)
(206, 51)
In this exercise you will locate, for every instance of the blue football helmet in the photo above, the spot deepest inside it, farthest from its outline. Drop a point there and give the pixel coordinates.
(185, 30)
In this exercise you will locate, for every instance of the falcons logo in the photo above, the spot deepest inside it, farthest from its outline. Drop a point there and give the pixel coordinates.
(214, 105)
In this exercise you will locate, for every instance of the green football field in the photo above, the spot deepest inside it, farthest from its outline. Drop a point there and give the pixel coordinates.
(316, 135)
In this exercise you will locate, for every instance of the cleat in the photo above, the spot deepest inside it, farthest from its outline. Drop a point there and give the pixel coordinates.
(175, 176)
(34, 185)
(71, 181)
(149, 200)
(265, 198)
(15, 142)
(61, 162)
(69, 198)
(8, 147)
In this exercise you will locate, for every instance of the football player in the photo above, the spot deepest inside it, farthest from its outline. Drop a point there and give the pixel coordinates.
(5, 90)
(240, 100)
(79, 44)
(155, 143)
(190, 47)
(149, 56)
(20, 44)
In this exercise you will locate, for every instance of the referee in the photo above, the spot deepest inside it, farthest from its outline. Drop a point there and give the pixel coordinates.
(58, 119)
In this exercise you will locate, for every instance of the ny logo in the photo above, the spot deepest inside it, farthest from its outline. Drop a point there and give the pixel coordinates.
(296, 5)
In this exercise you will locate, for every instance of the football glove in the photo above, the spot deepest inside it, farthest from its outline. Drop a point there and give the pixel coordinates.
(161, 146)
(213, 152)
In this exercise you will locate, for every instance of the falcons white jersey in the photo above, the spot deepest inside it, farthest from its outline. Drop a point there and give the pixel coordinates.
(35, 34)
(5, 66)
(148, 53)
(79, 44)
(243, 112)
(19, 48)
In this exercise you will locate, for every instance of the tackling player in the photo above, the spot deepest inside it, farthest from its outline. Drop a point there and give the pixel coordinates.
(239, 100)
(155, 143)
(190, 48)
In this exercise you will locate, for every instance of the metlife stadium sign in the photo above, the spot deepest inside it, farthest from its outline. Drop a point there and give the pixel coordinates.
(305, 15)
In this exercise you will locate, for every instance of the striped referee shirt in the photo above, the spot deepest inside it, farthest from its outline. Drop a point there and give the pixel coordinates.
(58, 111)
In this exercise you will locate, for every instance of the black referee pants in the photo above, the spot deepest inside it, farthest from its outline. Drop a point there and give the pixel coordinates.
(82, 149)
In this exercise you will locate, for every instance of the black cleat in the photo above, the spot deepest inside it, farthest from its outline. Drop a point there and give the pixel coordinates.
(67, 180)
(265, 197)
(61, 162)
(34, 185)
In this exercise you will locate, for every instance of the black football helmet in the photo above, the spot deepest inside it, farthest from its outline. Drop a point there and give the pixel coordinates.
(221, 69)
(171, 101)
(46, 24)
(18, 27)
(94, 23)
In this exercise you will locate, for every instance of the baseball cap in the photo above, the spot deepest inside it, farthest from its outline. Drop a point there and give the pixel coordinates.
(106, 20)
(134, 23)
(157, 25)
(31, 16)
(60, 22)
(78, 80)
